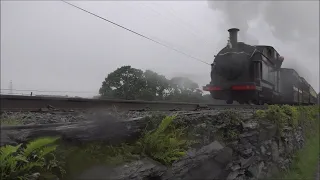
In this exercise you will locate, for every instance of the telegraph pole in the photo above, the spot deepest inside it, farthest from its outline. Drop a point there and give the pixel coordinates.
(11, 87)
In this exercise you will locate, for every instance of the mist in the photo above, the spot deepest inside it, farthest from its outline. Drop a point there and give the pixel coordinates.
(292, 27)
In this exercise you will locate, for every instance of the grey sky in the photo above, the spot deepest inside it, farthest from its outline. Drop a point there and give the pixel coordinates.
(53, 46)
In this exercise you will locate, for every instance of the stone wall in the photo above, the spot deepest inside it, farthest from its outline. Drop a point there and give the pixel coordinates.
(227, 145)
(230, 146)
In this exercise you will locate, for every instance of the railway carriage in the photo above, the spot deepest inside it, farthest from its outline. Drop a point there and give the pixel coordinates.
(253, 75)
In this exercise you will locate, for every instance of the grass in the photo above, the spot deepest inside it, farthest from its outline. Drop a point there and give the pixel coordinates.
(305, 163)
(10, 121)
(164, 143)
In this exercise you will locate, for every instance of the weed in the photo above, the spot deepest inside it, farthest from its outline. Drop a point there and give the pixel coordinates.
(19, 162)
(304, 165)
(166, 143)
(10, 121)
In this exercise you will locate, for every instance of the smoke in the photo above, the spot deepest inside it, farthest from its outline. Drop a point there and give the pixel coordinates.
(294, 26)
(237, 14)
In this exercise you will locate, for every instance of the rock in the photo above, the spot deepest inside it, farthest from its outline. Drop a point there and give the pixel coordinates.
(224, 156)
(245, 150)
(141, 169)
(256, 170)
(111, 130)
(247, 162)
(235, 167)
(248, 134)
(233, 175)
(212, 147)
(263, 150)
(275, 151)
(250, 125)
(267, 132)
(242, 177)
(207, 163)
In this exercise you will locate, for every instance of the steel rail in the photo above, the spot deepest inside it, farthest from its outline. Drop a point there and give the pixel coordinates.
(35, 103)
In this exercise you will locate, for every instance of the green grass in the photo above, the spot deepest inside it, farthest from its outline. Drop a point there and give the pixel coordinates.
(305, 163)
(306, 160)
(10, 121)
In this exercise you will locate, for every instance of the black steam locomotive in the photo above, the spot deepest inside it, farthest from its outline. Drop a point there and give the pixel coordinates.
(253, 75)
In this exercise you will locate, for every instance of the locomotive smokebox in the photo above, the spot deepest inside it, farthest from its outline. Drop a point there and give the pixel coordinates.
(233, 36)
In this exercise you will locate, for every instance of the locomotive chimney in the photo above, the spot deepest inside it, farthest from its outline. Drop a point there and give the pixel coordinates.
(233, 36)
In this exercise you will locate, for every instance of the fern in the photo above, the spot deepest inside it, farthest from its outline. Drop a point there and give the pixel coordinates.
(38, 144)
(7, 151)
(166, 143)
(20, 163)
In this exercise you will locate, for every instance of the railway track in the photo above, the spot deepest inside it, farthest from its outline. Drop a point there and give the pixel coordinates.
(33, 103)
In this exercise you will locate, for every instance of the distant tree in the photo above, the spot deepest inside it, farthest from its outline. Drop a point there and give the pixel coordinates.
(124, 83)
(130, 83)
(156, 86)
(184, 89)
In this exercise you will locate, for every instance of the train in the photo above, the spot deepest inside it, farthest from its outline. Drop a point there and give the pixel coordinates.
(252, 74)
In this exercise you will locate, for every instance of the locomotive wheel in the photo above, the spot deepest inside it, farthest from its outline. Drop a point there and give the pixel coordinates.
(250, 102)
(241, 102)
(260, 102)
(229, 101)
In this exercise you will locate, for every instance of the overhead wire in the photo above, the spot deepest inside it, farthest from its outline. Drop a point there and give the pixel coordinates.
(139, 34)
(186, 27)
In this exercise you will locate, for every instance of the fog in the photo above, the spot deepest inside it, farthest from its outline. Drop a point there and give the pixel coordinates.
(52, 46)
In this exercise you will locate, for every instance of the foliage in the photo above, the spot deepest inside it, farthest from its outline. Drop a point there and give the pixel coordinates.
(231, 121)
(124, 83)
(304, 164)
(286, 115)
(165, 144)
(79, 158)
(18, 162)
(10, 121)
(130, 83)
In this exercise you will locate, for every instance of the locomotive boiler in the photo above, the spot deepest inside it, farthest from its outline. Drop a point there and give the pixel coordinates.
(252, 74)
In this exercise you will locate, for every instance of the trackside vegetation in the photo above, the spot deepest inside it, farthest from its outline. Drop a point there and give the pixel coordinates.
(48, 157)
(305, 160)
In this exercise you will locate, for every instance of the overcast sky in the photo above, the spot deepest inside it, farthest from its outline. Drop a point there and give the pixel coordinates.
(53, 46)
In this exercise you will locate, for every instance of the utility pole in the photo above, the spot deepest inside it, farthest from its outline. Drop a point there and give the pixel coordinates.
(11, 87)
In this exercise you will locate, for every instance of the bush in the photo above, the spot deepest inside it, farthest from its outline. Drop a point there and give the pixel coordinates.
(165, 144)
(289, 115)
(10, 121)
(19, 162)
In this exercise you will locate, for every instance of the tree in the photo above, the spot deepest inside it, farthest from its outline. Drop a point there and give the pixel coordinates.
(124, 83)
(184, 89)
(156, 85)
(130, 83)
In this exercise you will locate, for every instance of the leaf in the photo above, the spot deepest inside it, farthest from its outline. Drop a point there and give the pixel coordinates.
(7, 150)
(47, 150)
(37, 144)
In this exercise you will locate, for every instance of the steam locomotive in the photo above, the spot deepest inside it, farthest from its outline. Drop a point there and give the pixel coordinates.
(253, 75)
